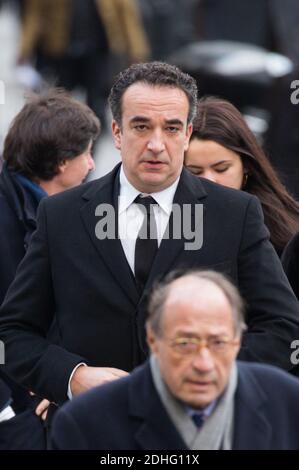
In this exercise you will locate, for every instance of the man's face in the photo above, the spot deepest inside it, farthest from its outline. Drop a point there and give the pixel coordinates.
(197, 311)
(74, 171)
(153, 135)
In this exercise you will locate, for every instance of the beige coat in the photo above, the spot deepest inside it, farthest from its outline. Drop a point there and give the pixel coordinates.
(47, 24)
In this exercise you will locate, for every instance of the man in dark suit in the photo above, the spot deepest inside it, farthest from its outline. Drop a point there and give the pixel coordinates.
(192, 394)
(94, 279)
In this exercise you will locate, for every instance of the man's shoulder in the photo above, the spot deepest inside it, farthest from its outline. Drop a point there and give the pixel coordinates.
(271, 378)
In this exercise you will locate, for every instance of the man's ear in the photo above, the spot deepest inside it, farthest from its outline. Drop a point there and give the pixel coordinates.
(62, 166)
(188, 135)
(151, 339)
(116, 132)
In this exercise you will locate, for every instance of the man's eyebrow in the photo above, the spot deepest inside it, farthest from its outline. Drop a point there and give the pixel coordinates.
(174, 121)
(139, 119)
(146, 119)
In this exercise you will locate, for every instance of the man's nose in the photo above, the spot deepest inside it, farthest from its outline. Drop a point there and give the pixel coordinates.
(203, 360)
(91, 163)
(156, 143)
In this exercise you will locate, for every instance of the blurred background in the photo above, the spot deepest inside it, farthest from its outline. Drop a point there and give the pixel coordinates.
(244, 50)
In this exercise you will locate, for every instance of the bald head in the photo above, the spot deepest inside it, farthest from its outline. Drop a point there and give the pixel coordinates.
(202, 292)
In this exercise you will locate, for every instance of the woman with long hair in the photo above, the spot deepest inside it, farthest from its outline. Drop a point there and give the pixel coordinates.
(223, 149)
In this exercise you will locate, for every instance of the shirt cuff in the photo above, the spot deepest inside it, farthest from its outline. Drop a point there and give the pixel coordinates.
(7, 414)
(69, 392)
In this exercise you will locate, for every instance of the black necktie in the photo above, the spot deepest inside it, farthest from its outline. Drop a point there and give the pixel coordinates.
(198, 419)
(146, 243)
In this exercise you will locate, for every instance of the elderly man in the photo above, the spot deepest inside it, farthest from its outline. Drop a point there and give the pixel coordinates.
(94, 281)
(191, 394)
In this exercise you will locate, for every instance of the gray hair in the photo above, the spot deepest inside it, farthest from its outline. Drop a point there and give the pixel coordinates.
(161, 292)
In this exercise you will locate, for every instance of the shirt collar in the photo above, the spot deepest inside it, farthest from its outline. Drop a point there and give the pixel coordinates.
(206, 412)
(128, 194)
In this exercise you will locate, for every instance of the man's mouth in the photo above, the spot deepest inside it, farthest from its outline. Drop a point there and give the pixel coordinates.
(153, 164)
(200, 383)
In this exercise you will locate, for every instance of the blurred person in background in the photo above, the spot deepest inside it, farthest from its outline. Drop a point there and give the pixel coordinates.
(224, 150)
(77, 43)
(46, 151)
(169, 25)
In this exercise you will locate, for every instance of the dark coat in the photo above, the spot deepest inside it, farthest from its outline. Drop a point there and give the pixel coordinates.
(127, 414)
(17, 222)
(25, 431)
(88, 283)
(290, 263)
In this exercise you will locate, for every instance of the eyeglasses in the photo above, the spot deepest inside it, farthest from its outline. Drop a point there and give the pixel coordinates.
(191, 346)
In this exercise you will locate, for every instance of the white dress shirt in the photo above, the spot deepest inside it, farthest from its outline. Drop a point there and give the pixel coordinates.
(130, 216)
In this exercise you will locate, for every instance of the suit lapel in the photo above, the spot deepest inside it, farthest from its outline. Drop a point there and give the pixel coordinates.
(110, 250)
(252, 429)
(189, 191)
(155, 430)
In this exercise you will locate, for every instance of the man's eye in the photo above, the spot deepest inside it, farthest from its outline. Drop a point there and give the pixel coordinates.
(186, 346)
(218, 344)
(140, 127)
(172, 129)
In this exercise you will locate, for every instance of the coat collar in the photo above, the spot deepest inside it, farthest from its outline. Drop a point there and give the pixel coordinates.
(155, 430)
(105, 192)
(252, 429)
(20, 198)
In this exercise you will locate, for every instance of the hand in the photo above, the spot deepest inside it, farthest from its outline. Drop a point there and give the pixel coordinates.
(42, 409)
(86, 377)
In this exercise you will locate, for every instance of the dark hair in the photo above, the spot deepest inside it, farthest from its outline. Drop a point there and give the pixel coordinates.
(161, 292)
(219, 120)
(155, 74)
(51, 127)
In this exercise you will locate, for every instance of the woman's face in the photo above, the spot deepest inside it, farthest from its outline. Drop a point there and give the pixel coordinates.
(214, 162)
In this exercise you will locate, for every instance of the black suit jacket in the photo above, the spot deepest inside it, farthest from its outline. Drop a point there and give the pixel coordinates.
(128, 414)
(88, 283)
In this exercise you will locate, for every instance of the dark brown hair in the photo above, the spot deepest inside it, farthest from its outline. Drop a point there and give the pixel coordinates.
(51, 127)
(155, 74)
(218, 120)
